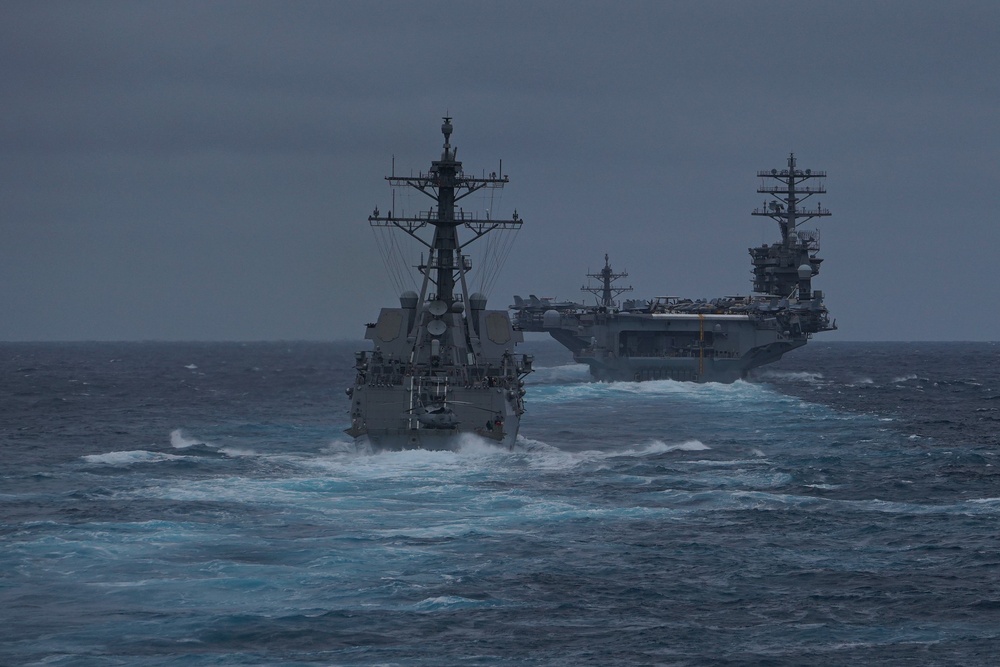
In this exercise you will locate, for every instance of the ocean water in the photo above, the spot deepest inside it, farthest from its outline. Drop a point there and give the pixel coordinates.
(198, 504)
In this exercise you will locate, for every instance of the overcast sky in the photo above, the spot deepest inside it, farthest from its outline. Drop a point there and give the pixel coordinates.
(204, 170)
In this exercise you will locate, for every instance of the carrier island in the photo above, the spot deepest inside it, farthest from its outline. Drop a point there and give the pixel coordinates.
(717, 340)
(442, 364)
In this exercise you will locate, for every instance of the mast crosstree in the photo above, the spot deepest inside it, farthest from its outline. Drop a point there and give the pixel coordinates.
(785, 209)
(607, 290)
(446, 184)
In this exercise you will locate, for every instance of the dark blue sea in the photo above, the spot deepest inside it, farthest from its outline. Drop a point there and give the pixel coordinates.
(199, 504)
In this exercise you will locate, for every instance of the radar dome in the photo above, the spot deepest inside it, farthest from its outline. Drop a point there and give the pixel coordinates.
(408, 299)
(551, 319)
(477, 301)
(805, 271)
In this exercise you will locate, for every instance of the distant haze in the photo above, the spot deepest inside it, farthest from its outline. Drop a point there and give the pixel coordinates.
(204, 170)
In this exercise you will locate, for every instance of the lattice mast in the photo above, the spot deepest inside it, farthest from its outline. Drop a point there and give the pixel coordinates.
(607, 290)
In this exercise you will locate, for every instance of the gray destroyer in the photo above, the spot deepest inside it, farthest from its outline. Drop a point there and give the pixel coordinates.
(442, 364)
(717, 340)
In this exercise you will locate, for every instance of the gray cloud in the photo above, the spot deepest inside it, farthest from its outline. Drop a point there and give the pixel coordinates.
(195, 170)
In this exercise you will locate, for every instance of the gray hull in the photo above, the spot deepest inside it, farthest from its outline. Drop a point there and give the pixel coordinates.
(684, 347)
(385, 417)
(684, 369)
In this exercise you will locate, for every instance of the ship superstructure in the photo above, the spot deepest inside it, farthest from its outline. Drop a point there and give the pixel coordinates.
(717, 340)
(442, 364)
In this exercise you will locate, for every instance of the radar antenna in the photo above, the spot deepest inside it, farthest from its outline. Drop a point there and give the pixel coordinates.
(786, 269)
(784, 208)
(445, 184)
(606, 291)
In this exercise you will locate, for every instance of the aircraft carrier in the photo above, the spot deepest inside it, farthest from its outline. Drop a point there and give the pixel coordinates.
(442, 364)
(716, 340)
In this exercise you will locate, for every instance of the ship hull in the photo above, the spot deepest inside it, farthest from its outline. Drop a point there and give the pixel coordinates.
(684, 369)
(685, 347)
(388, 418)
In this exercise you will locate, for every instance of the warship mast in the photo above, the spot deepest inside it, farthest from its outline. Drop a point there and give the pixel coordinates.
(787, 268)
(607, 291)
(445, 184)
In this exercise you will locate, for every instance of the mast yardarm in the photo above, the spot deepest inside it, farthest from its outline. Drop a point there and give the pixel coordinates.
(446, 184)
(607, 290)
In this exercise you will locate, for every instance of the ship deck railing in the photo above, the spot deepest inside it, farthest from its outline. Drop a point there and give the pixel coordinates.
(469, 377)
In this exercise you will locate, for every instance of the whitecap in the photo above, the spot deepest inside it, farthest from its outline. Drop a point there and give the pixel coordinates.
(470, 444)
(660, 447)
(566, 374)
(130, 457)
(347, 447)
(178, 440)
(794, 376)
(689, 446)
(236, 452)
(446, 602)
(532, 445)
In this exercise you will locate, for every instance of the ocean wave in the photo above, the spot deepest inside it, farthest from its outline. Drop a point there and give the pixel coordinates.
(651, 388)
(341, 446)
(450, 603)
(238, 452)
(178, 440)
(473, 454)
(130, 457)
(791, 376)
(660, 447)
(569, 373)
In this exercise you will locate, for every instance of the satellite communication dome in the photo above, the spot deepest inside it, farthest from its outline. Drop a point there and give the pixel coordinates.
(477, 301)
(551, 318)
(408, 299)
